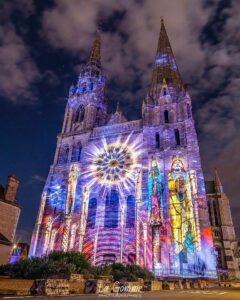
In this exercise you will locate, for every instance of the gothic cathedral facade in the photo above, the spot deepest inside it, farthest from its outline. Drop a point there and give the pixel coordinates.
(129, 191)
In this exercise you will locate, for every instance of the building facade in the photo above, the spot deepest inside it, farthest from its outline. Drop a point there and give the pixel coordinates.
(224, 238)
(9, 215)
(129, 191)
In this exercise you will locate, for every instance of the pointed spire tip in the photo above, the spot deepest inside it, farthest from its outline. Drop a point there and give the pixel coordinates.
(95, 54)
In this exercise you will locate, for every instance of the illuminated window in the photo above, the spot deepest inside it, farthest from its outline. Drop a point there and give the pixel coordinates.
(130, 219)
(177, 137)
(76, 152)
(79, 116)
(63, 155)
(66, 155)
(111, 210)
(157, 139)
(98, 116)
(92, 210)
(166, 116)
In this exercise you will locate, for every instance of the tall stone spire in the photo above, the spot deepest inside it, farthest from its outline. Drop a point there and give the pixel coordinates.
(218, 184)
(165, 67)
(95, 55)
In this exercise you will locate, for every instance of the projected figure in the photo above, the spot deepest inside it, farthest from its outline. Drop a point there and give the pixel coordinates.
(155, 211)
(154, 194)
(181, 210)
(72, 182)
(69, 206)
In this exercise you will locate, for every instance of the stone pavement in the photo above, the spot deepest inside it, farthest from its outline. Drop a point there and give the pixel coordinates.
(210, 294)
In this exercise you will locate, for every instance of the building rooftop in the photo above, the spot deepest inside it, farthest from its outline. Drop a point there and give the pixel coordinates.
(4, 240)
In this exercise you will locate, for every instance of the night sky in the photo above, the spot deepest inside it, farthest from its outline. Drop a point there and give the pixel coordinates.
(43, 44)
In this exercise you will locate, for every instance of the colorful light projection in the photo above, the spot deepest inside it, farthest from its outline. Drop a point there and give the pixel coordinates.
(155, 194)
(34, 241)
(114, 164)
(183, 221)
(69, 204)
(155, 210)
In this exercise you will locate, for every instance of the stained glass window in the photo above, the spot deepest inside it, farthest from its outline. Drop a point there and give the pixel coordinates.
(111, 209)
(92, 209)
(130, 220)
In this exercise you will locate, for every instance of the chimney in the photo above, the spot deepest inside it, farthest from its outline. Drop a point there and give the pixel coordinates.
(11, 188)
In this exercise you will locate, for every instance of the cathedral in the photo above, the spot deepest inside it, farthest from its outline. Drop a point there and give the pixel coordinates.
(124, 191)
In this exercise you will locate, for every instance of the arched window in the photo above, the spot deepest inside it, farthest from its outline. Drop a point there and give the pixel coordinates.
(189, 111)
(215, 213)
(76, 116)
(130, 219)
(157, 140)
(111, 210)
(63, 155)
(219, 257)
(98, 116)
(76, 152)
(177, 137)
(81, 113)
(164, 91)
(92, 210)
(66, 155)
(79, 116)
(210, 212)
(166, 116)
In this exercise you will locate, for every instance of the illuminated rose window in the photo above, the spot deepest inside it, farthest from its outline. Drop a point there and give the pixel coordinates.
(113, 164)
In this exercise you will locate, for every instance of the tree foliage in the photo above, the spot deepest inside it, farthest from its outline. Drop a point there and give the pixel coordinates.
(61, 264)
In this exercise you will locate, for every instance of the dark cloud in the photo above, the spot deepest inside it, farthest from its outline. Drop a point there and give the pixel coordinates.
(17, 69)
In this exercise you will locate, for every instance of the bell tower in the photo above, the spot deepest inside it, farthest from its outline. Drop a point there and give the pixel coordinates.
(86, 106)
(167, 100)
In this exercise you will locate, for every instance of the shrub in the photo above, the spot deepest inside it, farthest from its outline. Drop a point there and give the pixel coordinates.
(62, 264)
(75, 258)
(104, 270)
(4, 270)
(129, 273)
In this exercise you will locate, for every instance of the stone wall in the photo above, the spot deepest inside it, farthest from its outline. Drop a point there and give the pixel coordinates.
(9, 215)
(50, 287)
(5, 251)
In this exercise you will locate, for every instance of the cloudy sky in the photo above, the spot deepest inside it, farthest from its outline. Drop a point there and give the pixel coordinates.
(44, 43)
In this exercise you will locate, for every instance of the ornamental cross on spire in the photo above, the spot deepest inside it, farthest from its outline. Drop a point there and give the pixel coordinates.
(165, 67)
